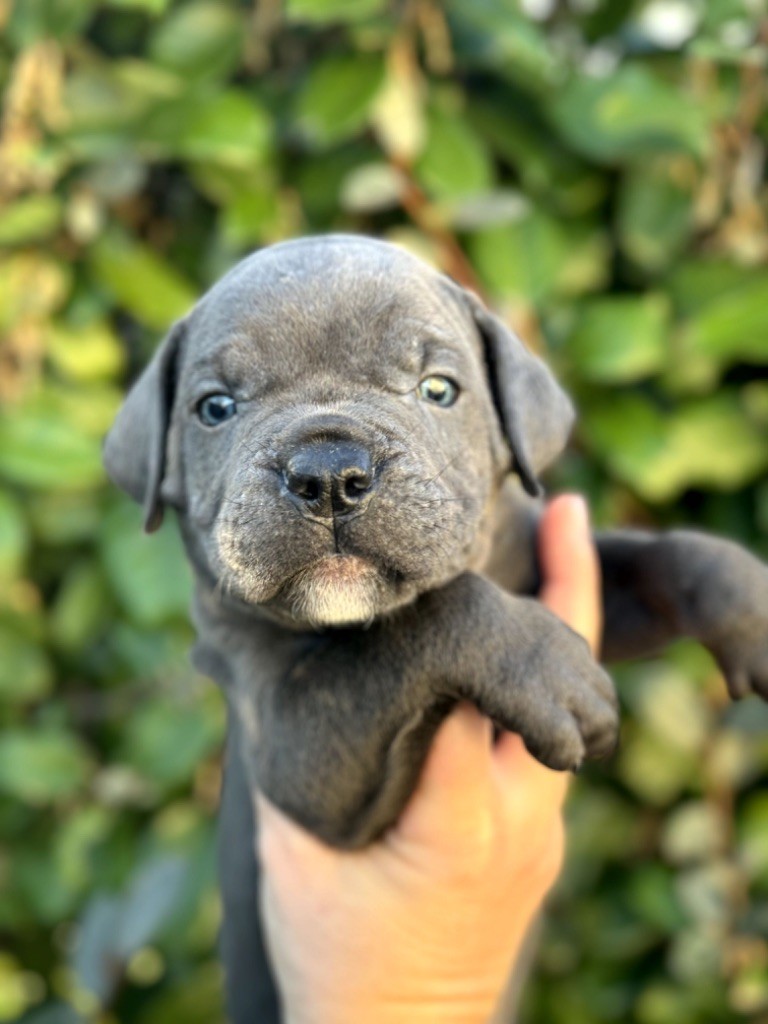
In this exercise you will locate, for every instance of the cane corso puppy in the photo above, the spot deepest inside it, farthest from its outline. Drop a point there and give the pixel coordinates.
(353, 445)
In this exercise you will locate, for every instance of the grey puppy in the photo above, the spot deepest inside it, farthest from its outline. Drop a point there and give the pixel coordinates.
(353, 444)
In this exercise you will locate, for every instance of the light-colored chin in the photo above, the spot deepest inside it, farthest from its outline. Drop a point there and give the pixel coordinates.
(340, 590)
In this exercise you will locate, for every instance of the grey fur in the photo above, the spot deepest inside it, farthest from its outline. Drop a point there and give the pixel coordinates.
(342, 641)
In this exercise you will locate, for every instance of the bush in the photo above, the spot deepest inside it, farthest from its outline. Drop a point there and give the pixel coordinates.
(596, 170)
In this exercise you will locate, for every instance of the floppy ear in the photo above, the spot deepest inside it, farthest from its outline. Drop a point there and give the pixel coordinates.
(535, 412)
(135, 447)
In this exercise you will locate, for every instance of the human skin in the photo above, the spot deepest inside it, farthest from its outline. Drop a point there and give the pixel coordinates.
(426, 924)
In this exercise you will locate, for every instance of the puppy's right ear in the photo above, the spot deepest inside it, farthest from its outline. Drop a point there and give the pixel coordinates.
(135, 447)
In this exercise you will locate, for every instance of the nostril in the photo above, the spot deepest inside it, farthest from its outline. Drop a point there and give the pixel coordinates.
(303, 486)
(309, 489)
(357, 483)
(329, 477)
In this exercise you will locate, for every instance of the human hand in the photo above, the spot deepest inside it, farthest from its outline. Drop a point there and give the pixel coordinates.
(426, 924)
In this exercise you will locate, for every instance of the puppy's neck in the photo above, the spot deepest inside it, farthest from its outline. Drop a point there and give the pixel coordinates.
(234, 637)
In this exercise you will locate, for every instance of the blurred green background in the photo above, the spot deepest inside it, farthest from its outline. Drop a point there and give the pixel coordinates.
(597, 169)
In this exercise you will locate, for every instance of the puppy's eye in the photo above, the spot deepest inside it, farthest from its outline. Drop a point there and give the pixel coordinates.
(215, 409)
(440, 390)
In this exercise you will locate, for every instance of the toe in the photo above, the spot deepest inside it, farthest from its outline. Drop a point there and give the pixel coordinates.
(554, 739)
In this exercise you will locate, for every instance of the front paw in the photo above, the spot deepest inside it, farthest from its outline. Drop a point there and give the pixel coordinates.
(727, 610)
(562, 702)
(743, 657)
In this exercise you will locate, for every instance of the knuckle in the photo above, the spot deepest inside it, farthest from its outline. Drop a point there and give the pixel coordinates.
(475, 851)
(548, 852)
(552, 853)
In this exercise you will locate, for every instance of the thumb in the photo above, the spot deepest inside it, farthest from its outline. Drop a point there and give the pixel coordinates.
(570, 567)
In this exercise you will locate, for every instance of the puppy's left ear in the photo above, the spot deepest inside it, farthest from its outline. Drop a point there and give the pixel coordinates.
(535, 412)
(135, 448)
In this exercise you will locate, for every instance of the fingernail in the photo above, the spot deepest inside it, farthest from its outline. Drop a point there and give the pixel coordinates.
(579, 512)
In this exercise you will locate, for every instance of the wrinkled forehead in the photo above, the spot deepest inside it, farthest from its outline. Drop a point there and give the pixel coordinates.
(316, 303)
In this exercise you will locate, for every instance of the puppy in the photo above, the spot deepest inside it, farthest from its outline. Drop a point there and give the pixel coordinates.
(353, 446)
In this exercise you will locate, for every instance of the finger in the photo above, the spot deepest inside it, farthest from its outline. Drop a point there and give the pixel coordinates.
(452, 795)
(531, 799)
(570, 566)
(522, 778)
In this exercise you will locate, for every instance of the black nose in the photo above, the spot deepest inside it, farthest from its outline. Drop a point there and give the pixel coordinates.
(330, 476)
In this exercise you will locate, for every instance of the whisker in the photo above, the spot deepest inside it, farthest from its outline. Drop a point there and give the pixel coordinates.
(448, 464)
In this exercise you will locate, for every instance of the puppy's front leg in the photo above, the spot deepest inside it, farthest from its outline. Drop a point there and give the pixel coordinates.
(659, 587)
(343, 736)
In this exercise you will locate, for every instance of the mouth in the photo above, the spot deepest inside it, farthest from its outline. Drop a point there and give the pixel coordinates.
(336, 590)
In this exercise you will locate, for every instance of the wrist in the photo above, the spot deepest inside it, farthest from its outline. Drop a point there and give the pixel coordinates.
(393, 1012)
(449, 998)
(475, 1003)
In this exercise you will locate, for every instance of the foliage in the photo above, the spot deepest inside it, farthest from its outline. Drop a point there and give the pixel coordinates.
(596, 170)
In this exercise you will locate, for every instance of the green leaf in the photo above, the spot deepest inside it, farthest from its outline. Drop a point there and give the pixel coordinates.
(620, 339)
(77, 845)
(201, 40)
(86, 352)
(230, 128)
(652, 895)
(665, 701)
(147, 653)
(25, 672)
(455, 161)
(64, 517)
(336, 98)
(41, 765)
(251, 216)
(709, 442)
(696, 831)
(140, 280)
(14, 537)
(107, 104)
(545, 168)
(34, 285)
(630, 114)
(656, 211)
(494, 34)
(46, 19)
(165, 740)
(697, 282)
(197, 1001)
(324, 12)
(733, 326)
(80, 608)
(150, 6)
(30, 219)
(40, 448)
(152, 898)
(44, 891)
(320, 182)
(149, 574)
(538, 257)
(96, 964)
(656, 772)
(14, 997)
(753, 836)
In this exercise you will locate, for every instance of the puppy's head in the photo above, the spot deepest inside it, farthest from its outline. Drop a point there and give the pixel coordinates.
(332, 422)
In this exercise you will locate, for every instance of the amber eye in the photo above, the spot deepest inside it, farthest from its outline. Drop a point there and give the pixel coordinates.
(439, 390)
(215, 409)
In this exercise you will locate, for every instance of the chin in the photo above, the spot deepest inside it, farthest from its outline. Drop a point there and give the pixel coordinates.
(339, 590)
